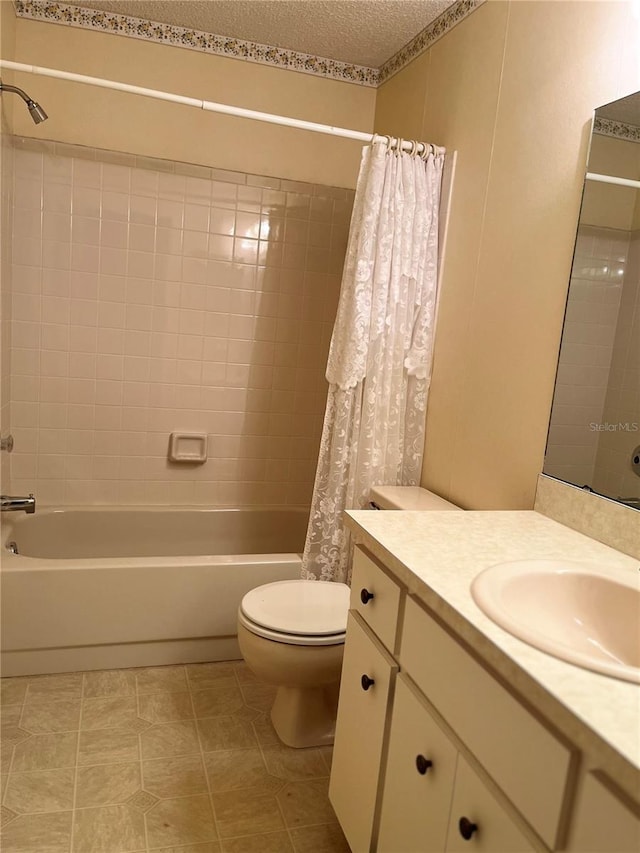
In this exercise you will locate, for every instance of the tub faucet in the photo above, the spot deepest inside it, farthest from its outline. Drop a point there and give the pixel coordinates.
(9, 503)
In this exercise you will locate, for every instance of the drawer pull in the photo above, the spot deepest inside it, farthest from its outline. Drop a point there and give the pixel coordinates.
(367, 682)
(423, 764)
(366, 596)
(467, 828)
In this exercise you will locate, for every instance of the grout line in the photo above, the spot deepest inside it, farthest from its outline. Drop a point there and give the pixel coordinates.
(75, 775)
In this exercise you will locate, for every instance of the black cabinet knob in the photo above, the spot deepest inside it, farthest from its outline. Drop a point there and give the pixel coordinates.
(466, 828)
(366, 596)
(423, 764)
(366, 682)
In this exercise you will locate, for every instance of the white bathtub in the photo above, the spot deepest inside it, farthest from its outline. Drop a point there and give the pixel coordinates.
(94, 588)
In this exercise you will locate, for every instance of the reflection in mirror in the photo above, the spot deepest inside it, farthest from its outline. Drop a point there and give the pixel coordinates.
(594, 435)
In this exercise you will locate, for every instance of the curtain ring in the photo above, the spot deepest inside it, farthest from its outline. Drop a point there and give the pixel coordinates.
(414, 147)
(399, 147)
(424, 154)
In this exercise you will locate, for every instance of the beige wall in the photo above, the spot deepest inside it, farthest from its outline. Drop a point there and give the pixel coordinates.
(512, 88)
(112, 120)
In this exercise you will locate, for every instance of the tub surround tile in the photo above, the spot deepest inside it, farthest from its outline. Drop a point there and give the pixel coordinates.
(107, 784)
(186, 820)
(40, 791)
(270, 842)
(112, 829)
(165, 707)
(44, 833)
(246, 812)
(118, 682)
(225, 733)
(233, 769)
(108, 746)
(169, 739)
(46, 752)
(40, 715)
(174, 777)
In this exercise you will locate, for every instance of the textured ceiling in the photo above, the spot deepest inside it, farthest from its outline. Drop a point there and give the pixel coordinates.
(362, 32)
(626, 110)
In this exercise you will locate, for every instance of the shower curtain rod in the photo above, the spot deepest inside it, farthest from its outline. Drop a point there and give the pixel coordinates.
(212, 106)
(609, 179)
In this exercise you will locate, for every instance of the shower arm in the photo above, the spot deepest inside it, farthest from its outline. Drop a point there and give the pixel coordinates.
(6, 88)
(35, 110)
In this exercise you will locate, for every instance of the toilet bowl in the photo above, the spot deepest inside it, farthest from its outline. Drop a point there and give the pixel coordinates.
(291, 635)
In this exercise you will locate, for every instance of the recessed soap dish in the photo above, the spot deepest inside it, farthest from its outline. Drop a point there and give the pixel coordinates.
(188, 447)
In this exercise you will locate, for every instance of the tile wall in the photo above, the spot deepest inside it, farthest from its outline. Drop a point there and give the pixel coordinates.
(6, 202)
(613, 472)
(588, 338)
(151, 297)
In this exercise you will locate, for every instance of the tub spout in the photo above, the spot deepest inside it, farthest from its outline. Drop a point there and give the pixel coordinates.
(9, 503)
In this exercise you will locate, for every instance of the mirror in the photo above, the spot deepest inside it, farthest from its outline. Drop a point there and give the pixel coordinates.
(594, 434)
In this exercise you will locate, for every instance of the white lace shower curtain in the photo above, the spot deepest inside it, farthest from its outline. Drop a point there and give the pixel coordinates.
(380, 356)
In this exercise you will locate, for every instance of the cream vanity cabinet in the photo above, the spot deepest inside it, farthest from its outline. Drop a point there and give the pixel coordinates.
(433, 754)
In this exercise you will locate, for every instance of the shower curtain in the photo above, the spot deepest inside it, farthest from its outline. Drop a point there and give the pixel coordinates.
(380, 356)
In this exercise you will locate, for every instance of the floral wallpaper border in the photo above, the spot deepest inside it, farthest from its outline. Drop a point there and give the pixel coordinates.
(264, 54)
(609, 127)
(436, 29)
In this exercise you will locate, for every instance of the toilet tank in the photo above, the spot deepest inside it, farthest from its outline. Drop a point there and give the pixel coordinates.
(408, 497)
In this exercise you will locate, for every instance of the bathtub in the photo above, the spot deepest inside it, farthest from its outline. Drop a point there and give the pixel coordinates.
(96, 588)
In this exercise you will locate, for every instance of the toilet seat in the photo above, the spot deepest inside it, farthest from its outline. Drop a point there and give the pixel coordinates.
(299, 612)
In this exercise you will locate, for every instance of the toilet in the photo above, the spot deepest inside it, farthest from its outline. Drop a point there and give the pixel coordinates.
(291, 634)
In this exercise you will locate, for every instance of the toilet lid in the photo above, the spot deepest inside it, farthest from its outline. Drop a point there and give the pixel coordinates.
(307, 608)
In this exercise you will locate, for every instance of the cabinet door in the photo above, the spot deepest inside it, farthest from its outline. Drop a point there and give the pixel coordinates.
(418, 783)
(603, 823)
(360, 728)
(494, 830)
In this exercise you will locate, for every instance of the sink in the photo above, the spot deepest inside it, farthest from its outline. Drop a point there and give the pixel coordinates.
(586, 614)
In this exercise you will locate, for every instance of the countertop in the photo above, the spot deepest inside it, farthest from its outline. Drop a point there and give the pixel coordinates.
(436, 555)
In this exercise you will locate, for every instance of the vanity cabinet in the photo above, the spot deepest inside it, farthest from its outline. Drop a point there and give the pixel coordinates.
(434, 754)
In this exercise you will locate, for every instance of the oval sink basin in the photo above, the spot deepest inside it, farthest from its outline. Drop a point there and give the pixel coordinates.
(585, 614)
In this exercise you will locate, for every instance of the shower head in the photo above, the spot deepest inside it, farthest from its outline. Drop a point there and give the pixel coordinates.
(35, 110)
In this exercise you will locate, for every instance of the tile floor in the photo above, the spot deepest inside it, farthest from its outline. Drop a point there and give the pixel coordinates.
(179, 759)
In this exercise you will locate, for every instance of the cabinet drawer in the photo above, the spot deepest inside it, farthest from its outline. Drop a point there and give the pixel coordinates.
(360, 729)
(495, 831)
(415, 805)
(602, 822)
(380, 611)
(523, 757)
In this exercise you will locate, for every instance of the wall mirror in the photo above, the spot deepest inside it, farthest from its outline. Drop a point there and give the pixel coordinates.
(594, 434)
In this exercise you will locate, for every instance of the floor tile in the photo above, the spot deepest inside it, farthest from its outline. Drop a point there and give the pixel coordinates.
(202, 676)
(219, 702)
(12, 735)
(159, 679)
(174, 777)
(230, 769)
(6, 815)
(246, 812)
(263, 727)
(107, 746)
(116, 682)
(165, 707)
(40, 791)
(10, 717)
(306, 803)
(46, 752)
(244, 674)
(294, 764)
(112, 829)
(45, 715)
(327, 754)
(328, 838)
(120, 712)
(107, 784)
(207, 847)
(259, 696)
(168, 739)
(42, 833)
(6, 756)
(68, 685)
(180, 821)
(225, 733)
(13, 690)
(271, 842)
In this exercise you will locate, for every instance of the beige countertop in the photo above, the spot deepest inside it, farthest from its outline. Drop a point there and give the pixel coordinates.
(436, 555)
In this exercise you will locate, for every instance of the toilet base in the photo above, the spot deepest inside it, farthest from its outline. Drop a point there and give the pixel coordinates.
(304, 717)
